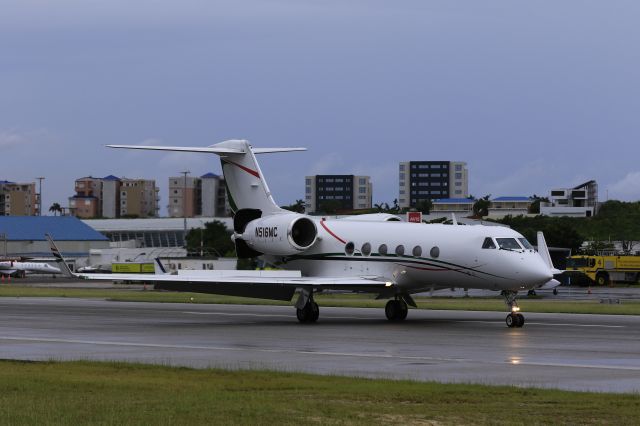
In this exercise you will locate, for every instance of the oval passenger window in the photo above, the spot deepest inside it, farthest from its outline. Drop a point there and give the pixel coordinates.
(382, 249)
(349, 248)
(417, 251)
(366, 249)
(400, 250)
(435, 251)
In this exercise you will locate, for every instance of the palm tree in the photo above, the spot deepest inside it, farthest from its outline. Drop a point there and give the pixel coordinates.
(55, 209)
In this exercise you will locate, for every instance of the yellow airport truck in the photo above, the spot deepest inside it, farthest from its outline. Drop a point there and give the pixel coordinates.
(132, 268)
(604, 270)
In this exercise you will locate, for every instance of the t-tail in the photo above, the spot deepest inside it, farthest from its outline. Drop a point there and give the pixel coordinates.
(59, 259)
(246, 185)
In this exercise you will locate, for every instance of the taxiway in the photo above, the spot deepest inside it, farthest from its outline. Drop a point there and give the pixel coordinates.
(566, 351)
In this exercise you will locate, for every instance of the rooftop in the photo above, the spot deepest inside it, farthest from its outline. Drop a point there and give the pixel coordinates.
(61, 228)
(455, 201)
(512, 199)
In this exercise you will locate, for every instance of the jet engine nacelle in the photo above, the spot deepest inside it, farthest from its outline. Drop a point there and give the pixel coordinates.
(281, 235)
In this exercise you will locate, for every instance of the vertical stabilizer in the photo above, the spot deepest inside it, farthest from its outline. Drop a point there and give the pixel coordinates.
(246, 186)
(543, 251)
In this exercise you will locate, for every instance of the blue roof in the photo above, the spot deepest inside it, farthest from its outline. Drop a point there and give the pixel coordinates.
(512, 199)
(111, 177)
(61, 228)
(454, 201)
(6, 181)
(209, 175)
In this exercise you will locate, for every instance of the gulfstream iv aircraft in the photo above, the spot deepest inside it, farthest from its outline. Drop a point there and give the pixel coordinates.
(369, 253)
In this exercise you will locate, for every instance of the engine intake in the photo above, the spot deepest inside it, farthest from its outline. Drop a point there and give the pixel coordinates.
(280, 235)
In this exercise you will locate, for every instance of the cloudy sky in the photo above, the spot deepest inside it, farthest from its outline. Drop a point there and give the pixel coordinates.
(532, 95)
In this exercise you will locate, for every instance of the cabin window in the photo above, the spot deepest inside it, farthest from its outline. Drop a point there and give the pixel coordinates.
(349, 248)
(417, 251)
(400, 250)
(435, 252)
(525, 243)
(508, 244)
(488, 243)
(366, 249)
(382, 250)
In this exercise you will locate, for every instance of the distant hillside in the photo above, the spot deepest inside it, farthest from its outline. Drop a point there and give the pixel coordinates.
(616, 221)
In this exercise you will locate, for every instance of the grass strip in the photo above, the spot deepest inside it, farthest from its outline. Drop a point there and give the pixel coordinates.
(528, 304)
(118, 393)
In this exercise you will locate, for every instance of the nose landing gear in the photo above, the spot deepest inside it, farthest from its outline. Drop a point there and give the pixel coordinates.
(310, 312)
(514, 318)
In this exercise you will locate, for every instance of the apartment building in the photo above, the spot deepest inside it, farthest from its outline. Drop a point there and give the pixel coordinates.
(431, 180)
(337, 192)
(113, 197)
(18, 199)
(204, 196)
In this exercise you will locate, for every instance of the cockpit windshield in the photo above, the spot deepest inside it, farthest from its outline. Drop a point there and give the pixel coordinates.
(488, 243)
(525, 243)
(508, 244)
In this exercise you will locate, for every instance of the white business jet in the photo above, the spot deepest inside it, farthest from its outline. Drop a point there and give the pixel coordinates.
(20, 269)
(369, 253)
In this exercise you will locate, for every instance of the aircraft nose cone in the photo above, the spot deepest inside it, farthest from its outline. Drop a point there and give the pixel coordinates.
(538, 273)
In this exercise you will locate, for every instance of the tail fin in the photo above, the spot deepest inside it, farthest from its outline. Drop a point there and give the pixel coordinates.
(59, 259)
(246, 186)
(158, 267)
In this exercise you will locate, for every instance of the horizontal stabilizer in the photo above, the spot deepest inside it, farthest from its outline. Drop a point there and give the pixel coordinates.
(208, 149)
(272, 150)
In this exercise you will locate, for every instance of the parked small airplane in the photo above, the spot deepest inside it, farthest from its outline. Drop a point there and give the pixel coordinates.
(20, 269)
(373, 253)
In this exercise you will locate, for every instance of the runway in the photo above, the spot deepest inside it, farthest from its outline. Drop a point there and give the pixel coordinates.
(576, 352)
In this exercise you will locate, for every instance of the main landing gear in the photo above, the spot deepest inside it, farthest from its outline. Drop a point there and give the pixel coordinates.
(309, 313)
(514, 318)
(396, 310)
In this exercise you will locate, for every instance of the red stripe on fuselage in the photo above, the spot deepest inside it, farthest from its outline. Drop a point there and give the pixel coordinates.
(246, 169)
(331, 233)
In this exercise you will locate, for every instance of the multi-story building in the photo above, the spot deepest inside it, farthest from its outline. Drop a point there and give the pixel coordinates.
(197, 196)
(113, 197)
(337, 192)
(139, 198)
(18, 199)
(509, 206)
(431, 180)
(579, 201)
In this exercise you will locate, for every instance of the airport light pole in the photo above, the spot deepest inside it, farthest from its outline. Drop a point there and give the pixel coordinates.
(40, 179)
(184, 205)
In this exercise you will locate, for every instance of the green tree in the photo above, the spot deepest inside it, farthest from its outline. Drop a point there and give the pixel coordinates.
(215, 238)
(298, 206)
(55, 209)
(534, 208)
(481, 206)
(330, 207)
(424, 206)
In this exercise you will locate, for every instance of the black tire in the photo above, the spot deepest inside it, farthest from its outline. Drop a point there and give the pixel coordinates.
(315, 312)
(511, 320)
(402, 311)
(520, 319)
(602, 278)
(391, 310)
(555, 291)
(302, 315)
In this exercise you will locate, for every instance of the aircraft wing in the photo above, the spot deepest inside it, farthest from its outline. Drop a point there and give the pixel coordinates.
(245, 283)
(8, 271)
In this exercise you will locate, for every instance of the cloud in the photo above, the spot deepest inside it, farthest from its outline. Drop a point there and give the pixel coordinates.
(9, 138)
(626, 189)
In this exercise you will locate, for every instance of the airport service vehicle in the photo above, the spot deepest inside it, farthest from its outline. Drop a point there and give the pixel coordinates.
(133, 268)
(20, 269)
(604, 270)
(369, 253)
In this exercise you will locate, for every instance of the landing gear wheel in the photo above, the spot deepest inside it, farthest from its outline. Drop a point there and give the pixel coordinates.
(511, 320)
(310, 313)
(514, 320)
(555, 291)
(396, 310)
